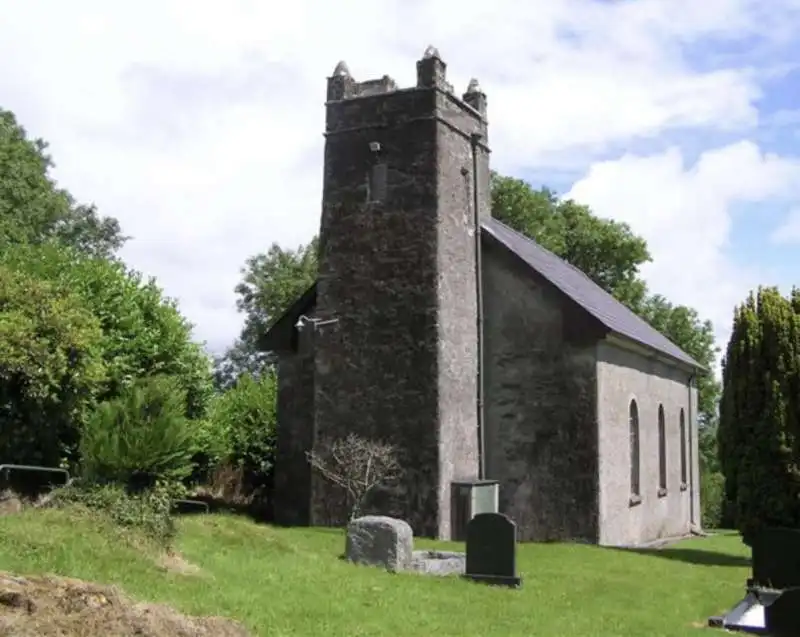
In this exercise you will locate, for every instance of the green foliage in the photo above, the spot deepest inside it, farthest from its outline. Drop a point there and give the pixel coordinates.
(712, 499)
(683, 326)
(271, 282)
(51, 368)
(141, 438)
(143, 333)
(148, 512)
(245, 418)
(759, 429)
(33, 210)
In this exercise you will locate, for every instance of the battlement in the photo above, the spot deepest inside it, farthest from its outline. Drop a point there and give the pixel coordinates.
(431, 74)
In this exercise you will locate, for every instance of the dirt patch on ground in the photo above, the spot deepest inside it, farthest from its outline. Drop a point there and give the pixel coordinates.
(9, 503)
(62, 607)
(176, 563)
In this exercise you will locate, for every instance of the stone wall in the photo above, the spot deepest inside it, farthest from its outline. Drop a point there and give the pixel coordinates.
(625, 374)
(397, 273)
(295, 432)
(541, 427)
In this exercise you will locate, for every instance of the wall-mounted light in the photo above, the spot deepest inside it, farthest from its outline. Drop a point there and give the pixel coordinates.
(315, 323)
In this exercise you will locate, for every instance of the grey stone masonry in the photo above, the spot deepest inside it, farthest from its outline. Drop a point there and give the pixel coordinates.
(397, 272)
(377, 540)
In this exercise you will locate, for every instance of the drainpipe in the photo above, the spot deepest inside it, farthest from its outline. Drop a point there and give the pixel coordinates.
(690, 418)
(479, 403)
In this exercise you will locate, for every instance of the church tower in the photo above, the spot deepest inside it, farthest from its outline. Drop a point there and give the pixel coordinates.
(406, 177)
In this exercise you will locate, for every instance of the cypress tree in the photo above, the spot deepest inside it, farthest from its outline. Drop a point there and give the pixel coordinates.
(759, 441)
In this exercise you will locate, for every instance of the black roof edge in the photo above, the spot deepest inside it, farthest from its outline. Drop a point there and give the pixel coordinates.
(280, 337)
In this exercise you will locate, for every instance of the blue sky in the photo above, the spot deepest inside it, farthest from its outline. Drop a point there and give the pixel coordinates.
(199, 126)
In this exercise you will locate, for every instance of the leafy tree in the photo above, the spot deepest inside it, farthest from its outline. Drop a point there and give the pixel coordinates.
(271, 283)
(34, 210)
(51, 368)
(683, 326)
(143, 333)
(759, 428)
(141, 438)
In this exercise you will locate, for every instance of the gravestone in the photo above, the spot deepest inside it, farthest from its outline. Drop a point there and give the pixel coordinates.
(772, 603)
(378, 540)
(492, 550)
(782, 617)
(776, 558)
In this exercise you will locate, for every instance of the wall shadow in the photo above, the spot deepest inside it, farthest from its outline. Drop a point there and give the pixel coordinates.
(693, 556)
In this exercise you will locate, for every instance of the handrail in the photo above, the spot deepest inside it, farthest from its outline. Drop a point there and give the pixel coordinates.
(7, 468)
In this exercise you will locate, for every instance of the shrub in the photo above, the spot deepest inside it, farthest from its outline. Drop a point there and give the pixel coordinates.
(245, 418)
(148, 512)
(759, 428)
(712, 499)
(141, 438)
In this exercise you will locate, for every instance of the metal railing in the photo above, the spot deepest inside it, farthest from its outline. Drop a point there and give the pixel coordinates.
(6, 469)
(181, 505)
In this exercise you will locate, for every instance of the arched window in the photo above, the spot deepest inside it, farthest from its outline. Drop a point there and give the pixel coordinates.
(662, 452)
(633, 418)
(683, 447)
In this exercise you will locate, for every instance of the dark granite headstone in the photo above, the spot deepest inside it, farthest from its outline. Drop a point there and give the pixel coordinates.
(783, 615)
(776, 558)
(492, 550)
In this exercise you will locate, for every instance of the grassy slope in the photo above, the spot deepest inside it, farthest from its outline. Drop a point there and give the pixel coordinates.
(289, 582)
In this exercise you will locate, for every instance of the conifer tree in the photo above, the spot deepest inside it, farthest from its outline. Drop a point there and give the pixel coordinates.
(759, 430)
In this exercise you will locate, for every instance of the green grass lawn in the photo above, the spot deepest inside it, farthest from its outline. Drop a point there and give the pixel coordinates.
(290, 582)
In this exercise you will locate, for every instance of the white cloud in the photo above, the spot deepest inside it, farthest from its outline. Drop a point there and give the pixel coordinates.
(788, 233)
(685, 214)
(199, 124)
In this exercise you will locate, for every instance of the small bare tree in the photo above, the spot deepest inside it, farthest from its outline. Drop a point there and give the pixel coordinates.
(357, 465)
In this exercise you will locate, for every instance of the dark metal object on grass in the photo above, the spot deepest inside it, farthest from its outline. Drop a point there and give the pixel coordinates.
(190, 506)
(41, 485)
(771, 605)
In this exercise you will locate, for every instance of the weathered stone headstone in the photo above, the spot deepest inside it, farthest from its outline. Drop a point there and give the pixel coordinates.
(776, 558)
(378, 540)
(492, 550)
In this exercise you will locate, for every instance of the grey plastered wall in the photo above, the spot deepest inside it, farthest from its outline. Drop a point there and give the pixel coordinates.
(541, 430)
(295, 418)
(458, 371)
(626, 374)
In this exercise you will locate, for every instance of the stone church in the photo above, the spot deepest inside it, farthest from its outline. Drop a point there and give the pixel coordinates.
(479, 354)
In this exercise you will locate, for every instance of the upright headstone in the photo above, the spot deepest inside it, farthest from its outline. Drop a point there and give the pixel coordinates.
(776, 558)
(492, 550)
(782, 617)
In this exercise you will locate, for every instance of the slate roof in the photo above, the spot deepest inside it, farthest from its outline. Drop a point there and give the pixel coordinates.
(615, 316)
(598, 303)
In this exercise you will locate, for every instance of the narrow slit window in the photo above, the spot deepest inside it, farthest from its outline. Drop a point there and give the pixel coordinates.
(683, 447)
(377, 183)
(662, 451)
(633, 423)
